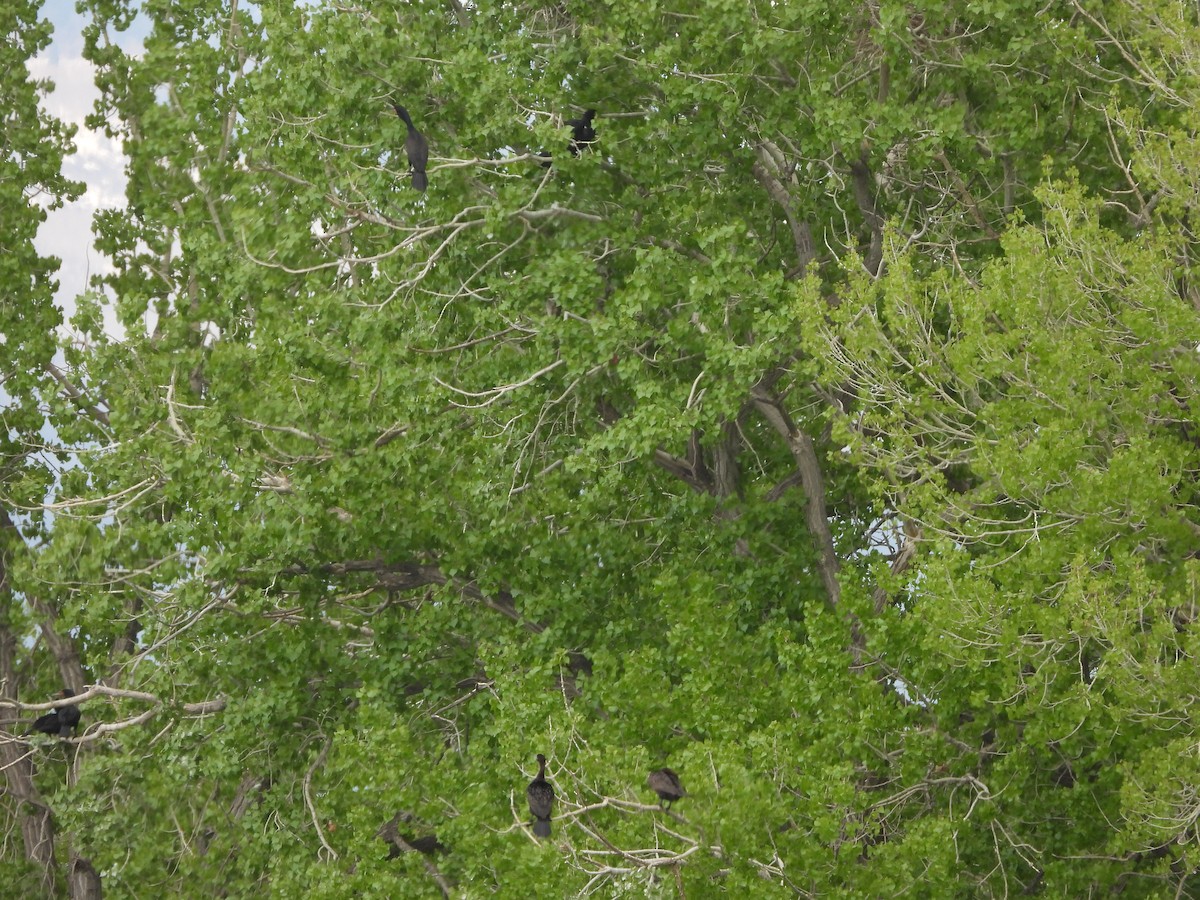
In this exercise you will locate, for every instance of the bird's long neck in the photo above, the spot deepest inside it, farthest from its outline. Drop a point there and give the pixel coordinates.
(403, 114)
(541, 770)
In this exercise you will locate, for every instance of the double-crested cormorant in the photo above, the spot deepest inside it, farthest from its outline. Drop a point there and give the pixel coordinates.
(399, 843)
(426, 843)
(58, 721)
(541, 799)
(582, 132)
(417, 149)
(665, 783)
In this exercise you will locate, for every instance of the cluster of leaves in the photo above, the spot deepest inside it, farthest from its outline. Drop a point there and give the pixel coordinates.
(824, 432)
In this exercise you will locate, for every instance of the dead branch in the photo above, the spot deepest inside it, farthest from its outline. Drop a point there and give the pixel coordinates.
(308, 798)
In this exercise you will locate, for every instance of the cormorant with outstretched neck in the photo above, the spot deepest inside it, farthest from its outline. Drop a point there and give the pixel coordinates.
(417, 149)
(58, 721)
(582, 132)
(665, 783)
(540, 794)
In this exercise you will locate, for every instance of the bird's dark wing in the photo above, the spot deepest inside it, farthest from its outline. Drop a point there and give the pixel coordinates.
(417, 149)
(541, 802)
(47, 724)
(541, 799)
(665, 783)
(426, 843)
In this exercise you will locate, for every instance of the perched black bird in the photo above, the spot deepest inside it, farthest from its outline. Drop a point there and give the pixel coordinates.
(58, 721)
(426, 843)
(417, 149)
(47, 724)
(540, 794)
(665, 783)
(399, 843)
(68, 716)
(582, 132)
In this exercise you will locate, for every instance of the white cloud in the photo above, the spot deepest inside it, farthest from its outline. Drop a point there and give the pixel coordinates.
(98, 161)
(72, 76)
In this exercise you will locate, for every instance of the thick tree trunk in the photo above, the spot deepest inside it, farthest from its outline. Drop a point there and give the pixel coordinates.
(34, 817)
(16, 761)
(84, 881)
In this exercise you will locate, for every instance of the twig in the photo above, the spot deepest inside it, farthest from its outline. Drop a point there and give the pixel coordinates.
(497, 392)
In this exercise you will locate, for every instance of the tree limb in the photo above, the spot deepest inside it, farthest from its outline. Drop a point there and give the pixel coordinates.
(801, 231)
(864, 196)
(808, 467)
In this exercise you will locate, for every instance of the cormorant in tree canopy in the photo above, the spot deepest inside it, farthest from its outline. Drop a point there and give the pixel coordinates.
(59, 721)
(665, 783)
(541, 799)
(417, 149)
(582, 131)
(402, 843)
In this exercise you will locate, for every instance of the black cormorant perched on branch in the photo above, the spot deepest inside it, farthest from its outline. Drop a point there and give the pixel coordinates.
(665, 783)
(417, 149)
(540, 794)
(582, 132)
(58, 721)
(399, 843)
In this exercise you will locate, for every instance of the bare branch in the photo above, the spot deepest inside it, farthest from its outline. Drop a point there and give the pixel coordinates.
(496, 393)
(76, 395)
(172, 420)
(308, 798)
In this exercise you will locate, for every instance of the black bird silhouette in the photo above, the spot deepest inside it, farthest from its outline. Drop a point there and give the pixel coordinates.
(665, 783)
(58, 721)
(582, 132)
(417, 149)
(399, 843)
(540, 795)
(426, 843)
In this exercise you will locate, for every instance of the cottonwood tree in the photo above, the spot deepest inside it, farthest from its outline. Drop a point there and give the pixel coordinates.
(36, 400)
(823, 432)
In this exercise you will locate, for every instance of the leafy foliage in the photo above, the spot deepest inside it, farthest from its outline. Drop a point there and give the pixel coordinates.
(824, 432)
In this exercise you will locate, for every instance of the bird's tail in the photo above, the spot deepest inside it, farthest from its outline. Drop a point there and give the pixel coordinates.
(542, 828)
(420, 182)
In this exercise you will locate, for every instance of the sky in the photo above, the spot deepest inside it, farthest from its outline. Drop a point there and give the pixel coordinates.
(98, 161)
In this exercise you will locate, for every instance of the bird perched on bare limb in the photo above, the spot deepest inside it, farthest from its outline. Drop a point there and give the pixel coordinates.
(400, 842)
(665, 783)
(417, 149)
(582, 137)
(59, 721)
(582, 132)
(540, 795)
